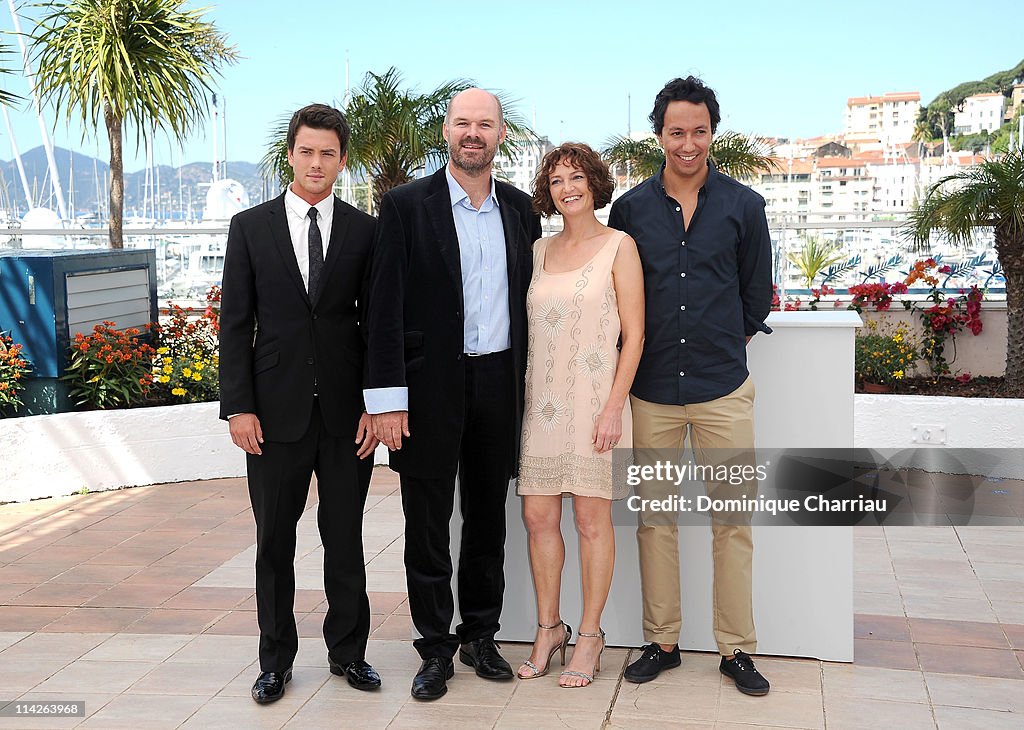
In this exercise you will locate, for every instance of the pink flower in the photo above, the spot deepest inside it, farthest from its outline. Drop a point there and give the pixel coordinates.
(945, 269)
(963, 378)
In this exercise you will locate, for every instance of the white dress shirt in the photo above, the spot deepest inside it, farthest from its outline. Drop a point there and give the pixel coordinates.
(298, 227)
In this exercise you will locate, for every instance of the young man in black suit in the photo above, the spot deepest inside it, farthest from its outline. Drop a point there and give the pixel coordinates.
(291, 362)
(446, 364)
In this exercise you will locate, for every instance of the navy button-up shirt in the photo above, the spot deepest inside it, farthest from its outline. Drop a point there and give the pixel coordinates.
(707, 287)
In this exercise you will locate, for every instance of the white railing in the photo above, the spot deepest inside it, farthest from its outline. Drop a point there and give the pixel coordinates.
(189, 257)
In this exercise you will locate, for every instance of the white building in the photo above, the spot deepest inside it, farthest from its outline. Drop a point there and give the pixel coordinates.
(981, 112)
(520, 171)
(889, 118)
(845, 190)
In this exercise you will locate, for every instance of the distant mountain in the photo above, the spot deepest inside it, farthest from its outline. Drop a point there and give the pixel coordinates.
(180, 191)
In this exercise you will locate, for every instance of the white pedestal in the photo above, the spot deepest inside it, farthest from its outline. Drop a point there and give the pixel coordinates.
(803, 576)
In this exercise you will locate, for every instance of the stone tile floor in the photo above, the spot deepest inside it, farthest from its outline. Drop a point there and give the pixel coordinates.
(140, 603)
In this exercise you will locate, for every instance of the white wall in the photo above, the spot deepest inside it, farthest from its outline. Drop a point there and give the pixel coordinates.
(45, 456)
(803, 576)
(923, 426)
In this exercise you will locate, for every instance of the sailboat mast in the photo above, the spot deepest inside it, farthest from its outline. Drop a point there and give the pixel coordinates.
(47, 143)
(17, 159)
(216, 158)
(224, 129)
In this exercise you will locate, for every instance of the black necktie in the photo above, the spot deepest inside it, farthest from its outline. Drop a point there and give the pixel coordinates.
(316, 254)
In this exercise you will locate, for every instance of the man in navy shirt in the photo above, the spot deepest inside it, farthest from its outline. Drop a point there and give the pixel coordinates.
(706, 252)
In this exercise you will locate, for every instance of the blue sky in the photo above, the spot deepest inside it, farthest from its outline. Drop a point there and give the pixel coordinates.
(780, 69)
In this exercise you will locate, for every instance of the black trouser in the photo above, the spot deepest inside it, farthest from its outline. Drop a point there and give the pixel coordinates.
(485, 466)
(278, 485)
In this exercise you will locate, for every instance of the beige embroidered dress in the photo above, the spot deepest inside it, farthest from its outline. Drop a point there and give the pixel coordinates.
(572, 352)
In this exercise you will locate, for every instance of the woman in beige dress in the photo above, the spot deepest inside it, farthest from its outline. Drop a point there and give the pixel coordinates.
(586, 296)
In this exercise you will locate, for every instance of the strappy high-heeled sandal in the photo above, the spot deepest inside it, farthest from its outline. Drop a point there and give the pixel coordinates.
(538, 672)
(588, 679)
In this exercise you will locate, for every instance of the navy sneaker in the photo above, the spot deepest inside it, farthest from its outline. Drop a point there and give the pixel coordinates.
(651, 663)
(742, 671)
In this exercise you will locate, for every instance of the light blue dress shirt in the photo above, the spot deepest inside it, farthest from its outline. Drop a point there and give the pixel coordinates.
(484, 286)
(484, 271)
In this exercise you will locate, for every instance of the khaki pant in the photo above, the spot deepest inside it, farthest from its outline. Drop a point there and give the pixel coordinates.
(726, 423)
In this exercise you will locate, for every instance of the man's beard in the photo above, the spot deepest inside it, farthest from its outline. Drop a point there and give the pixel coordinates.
(469, 165)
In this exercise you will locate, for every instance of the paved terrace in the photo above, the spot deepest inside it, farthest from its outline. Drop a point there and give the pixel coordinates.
(140, 602)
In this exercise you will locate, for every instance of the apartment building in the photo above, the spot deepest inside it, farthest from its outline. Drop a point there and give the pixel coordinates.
(519, 172)
(979, 113)
(889, 118)
(836, 184)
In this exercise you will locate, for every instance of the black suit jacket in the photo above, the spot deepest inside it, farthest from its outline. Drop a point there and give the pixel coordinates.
(415, 314)
(278, 348)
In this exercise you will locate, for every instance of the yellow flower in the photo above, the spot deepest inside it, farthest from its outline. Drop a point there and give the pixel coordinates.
(898, 337)
(187, 372)
(178, 391)
(168, 369)
(197, 377)
(165, 378)
(162, 350)
(94, 379)
(898, 374)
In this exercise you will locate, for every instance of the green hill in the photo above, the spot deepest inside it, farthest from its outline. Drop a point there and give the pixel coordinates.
(1001, 82)
(938, 115)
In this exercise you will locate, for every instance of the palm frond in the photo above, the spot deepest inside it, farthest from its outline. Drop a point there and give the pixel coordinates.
(396, 131)
(643, 157)
(989, 194)
(7, 98)
(814, 257)
(742, 157)
(274, 163)
(733, 153)
(152, 62)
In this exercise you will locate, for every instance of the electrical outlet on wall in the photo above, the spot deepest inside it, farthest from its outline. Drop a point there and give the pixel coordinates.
(924, 433)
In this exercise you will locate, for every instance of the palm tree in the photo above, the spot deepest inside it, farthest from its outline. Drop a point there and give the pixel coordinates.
(146, 62)
(395, 132)
(814, 257)
(989, 194)
(733, 153)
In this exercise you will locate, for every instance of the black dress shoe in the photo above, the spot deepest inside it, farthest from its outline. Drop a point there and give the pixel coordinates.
(651, 663)
(483, 656)
(741, 670)
(269, 686)
(430, 683)
(358, 673)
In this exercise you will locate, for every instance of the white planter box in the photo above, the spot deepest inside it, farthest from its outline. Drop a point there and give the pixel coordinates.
(60, 454)
(902, 422)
